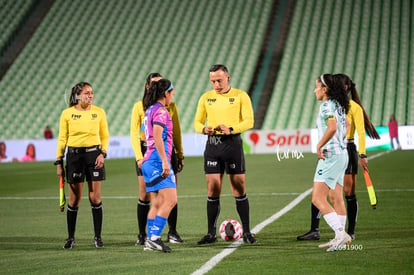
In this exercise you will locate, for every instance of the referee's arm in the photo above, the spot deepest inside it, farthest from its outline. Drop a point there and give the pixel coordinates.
(200, 117)
(247, 117)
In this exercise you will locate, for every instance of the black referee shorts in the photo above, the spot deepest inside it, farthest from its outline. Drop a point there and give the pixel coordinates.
(353, 159)
(80, 164)
(224, 153)
(174, 160)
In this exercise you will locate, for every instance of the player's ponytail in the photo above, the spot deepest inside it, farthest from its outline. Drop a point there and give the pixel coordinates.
(75, 93)
(156, 91)
(336, 90)
(351, 90)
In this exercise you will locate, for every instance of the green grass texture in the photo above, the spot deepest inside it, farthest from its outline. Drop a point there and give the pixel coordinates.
(33, 230)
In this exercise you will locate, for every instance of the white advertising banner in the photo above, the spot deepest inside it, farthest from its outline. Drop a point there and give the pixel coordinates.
(291, 142)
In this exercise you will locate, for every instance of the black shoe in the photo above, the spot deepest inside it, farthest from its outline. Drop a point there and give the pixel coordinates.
(209, 238)
(309, 236)
(98, 242)
(70, 243)
(141, 239)
(156, 245)
(174, 237)
(249, 238)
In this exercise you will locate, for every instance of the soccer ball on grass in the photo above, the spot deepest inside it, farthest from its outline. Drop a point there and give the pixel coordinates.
(231, 230)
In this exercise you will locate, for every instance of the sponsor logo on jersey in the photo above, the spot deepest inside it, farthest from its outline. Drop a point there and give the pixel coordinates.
(212, 163)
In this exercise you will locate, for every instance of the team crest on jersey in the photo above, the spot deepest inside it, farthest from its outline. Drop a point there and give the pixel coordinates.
(94, 116)
(232, 100)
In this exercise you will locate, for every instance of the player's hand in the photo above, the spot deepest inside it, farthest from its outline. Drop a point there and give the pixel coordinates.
(180, 165)
(139, 163)
(320, 152)
(222, 129)
(165, 169)
(209, 131)
(99, 162)
(60, 171)
(363, 162)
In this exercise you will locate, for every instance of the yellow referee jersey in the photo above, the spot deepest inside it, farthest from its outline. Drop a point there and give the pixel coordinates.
(82, 129)
(137, 135)
(233, 109)
(355, 118)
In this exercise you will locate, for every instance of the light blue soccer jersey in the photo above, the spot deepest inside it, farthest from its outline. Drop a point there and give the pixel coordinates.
(332, 110)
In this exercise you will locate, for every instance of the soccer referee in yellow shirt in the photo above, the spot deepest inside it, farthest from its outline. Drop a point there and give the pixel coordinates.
(222, 114)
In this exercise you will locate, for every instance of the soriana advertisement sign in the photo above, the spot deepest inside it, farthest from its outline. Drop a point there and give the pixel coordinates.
(274, 141)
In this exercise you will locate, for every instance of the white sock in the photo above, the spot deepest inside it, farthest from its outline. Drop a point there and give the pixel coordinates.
(333, 221)
(342, 220)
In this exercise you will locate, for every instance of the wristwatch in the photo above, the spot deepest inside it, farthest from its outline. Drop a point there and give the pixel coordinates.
(103, 154)
(58, 162)
(363, 156)
(231, 130)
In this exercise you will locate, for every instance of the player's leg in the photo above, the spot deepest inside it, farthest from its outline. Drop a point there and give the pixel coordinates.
(349, 189)
(143, 206)
(173, 236)
(75, 195)
(313, 233)
(97, 210)
(238, 188)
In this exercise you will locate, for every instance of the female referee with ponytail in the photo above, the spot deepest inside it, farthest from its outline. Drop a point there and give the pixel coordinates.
(83, 130)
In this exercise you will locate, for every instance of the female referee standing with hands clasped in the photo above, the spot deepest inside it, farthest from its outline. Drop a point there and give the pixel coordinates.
(84, 131)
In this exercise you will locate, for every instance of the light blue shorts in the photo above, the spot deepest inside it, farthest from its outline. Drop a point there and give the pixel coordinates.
(152, 176)
(331, 170)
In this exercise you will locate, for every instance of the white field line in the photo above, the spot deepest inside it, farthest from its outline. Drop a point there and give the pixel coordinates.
(231, 248)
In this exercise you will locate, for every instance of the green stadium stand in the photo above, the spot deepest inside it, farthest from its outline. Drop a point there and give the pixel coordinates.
(371, 41)
(114, 45)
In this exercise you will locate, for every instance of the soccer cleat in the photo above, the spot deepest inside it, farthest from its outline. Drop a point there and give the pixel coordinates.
(209, 238)
(69, 244)
(352, 236)
(174, 237)
(326, 245)
(313, 234)
(156, 245)
(249, 238)
(98, 242)
(141, 239)
(339, 242)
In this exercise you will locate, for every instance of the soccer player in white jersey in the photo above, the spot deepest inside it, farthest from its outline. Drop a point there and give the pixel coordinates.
(332, 157)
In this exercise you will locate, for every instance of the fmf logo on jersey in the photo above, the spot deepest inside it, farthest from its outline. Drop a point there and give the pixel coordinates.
(211, 100)
(76, 117)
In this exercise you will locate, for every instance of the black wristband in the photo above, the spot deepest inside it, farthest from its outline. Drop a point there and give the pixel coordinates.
(58, 162)
(363, 156)
(231, 130)
(103, 154)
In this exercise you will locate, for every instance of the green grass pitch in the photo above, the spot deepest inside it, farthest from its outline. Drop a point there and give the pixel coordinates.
(33, 229)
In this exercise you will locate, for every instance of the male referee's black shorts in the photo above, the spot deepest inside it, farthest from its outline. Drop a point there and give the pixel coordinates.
(224, 152)
(353, 159)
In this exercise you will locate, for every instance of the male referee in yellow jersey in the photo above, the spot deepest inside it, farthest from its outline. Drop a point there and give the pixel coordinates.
(222, 114)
